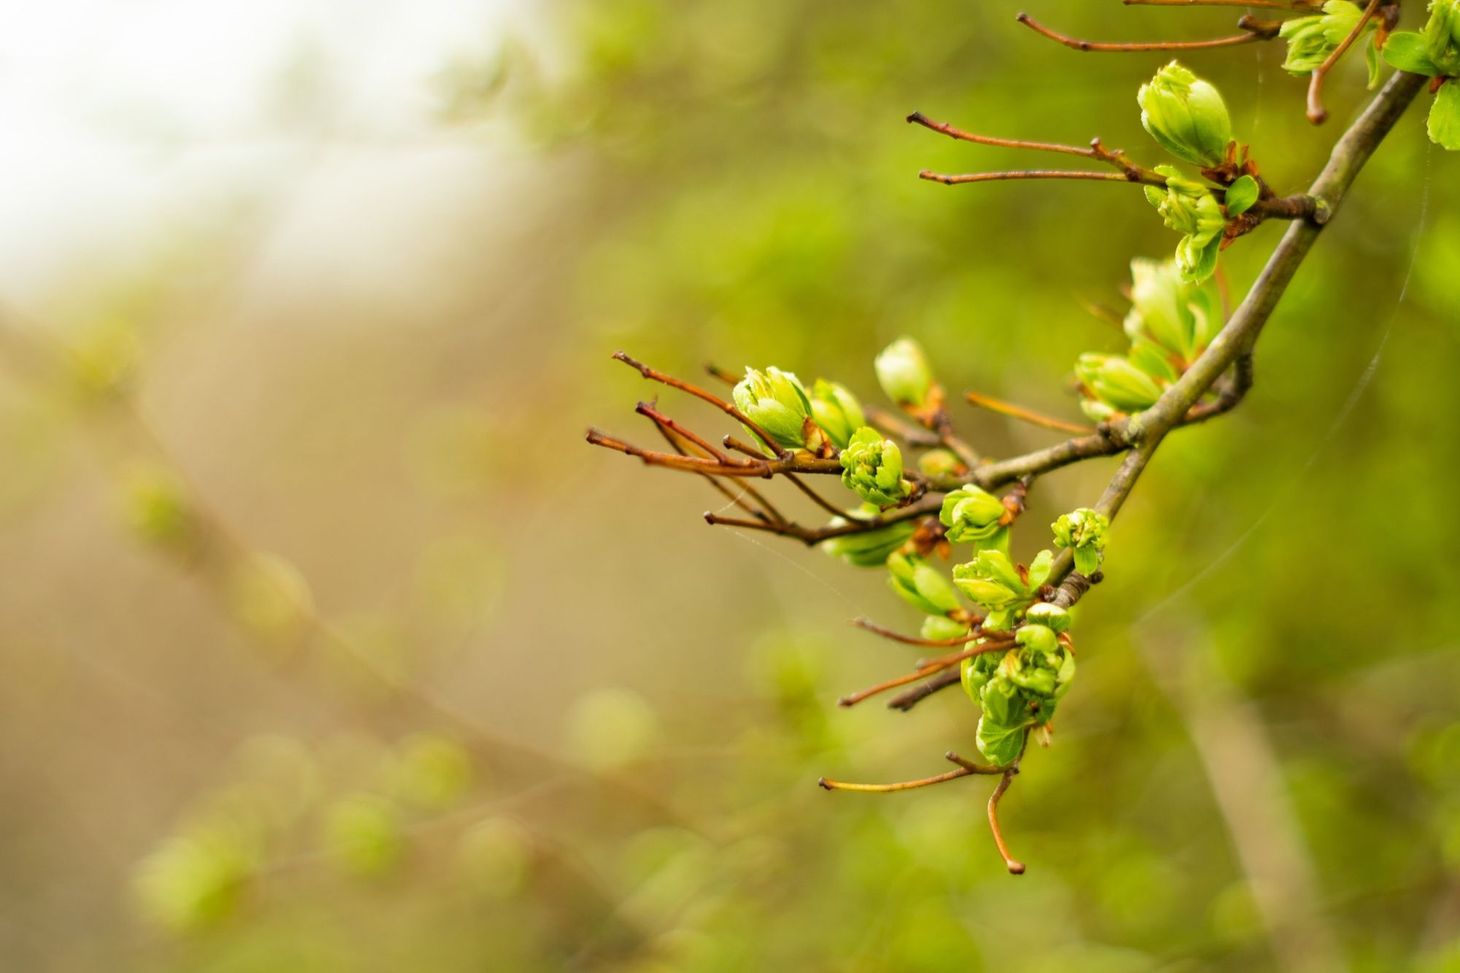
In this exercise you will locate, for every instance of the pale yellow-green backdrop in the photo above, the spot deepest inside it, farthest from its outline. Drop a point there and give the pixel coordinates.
(329, 644)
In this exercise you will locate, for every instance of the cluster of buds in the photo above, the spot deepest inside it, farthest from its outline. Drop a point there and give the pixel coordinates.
(1435, 53)
(1313, 40)
(1018, 690)
(872, 469)
(975, 516)
(1186, 115)
(777, 403)
(1082, 532)
(1170, 323)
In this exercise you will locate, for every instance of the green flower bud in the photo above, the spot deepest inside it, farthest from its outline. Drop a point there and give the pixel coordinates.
(940, 629)
(937, 464)
(991, 580)
(920, 584)
(868, 549)
(1180, 316)
(1189, 208)
(973, 515)
(1037, 638)
(1050, 616)
(903, 372)
(1083, 531)
(1442, 35)
(836, 411)
(1186, 115)
(1312, 39)
(1116, 382)
(872, 468)
(776, 402)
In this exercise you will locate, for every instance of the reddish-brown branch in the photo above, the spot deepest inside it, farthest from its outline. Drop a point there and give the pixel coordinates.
(1014, 866)
(666, 423)
(906, 701)
(1317, 114)
(654, 375)
(1253, 31)
(965, 768)
(1014, 174)
(1026, 415)
(888, 633)
(925, 669)
(1269, 4)
(1095, 150)
(765, 512)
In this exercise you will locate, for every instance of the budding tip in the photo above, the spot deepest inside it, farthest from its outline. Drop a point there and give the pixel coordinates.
(823, 783)
(1015, 868)
(1022, 17)
(1318, 116)
(619, 355)
(915, 117)
(709, 516)
(845, 701)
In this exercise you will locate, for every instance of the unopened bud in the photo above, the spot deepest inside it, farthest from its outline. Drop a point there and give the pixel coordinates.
(920, 584)
(1186, 115)
(974, 516)
(904, 373)
(836, 411)
(872, 468)
(1083, 531)
(1116, 382)
(776, 402)
(1189, 208)
(870, 548)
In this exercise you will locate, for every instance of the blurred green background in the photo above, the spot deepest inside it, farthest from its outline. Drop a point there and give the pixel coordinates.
(331, 646)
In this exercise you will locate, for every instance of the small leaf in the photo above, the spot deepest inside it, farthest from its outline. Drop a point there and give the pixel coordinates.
(1241, 195)
(1087, 560)
(1406, 51)
(1375, 62)
(1444, 124)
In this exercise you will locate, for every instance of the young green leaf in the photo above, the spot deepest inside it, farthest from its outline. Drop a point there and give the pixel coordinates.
(1241, 195)
(1444, 124)
(1406, 50)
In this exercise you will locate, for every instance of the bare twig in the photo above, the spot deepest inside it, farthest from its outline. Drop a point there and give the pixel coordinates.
(1317, 114)
(1252, 31)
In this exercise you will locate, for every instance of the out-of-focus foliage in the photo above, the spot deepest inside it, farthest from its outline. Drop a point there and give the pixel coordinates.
(220, 758)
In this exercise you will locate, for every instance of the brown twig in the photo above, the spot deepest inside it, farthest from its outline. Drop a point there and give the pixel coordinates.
(1014, 174)
(654, 375)
(1269, 4)
(1252, 31)
(906, 701)
(1317, 114)
(1095, 150)
(926, 669)
(1014, 866)
(965, 768)
(887, 633)
(1026, 415)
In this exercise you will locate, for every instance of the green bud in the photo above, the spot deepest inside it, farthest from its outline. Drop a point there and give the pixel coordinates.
(1116, 382)
(1312, 39)
(1178, 315)
(776, 402)
(1037, 638)
(1186, 115)
(1050, 616)
(157, 507)
(991, 580)
(940, 629)
(1083, 531)
(903, 372)
(868, 549)
(1189, 208)
(836, 411)
(938, 464)
(872, 469)
(1442, 35)
(920, 584)
(973, 515)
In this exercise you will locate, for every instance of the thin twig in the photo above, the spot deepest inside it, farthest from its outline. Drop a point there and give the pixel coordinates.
(1026, 415)
(1252, 32)
(965, 768)
(1014, 866)
(906, 701)
(926, 669)
(888, 633)
(1317, 114)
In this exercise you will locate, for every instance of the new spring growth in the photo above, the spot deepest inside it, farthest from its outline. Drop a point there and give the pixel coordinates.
(1180, 316)
(872, 469)
(1311, 40)
(975, 516)
(904, 374)
(1190, 208)
(868, 549)
(1083, 532)
(1186, 115)
(1018, 690)
(836, 411)
(1113, 386)
(776, 402)
(995, 582)
(919, 584)
(1435, 52)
